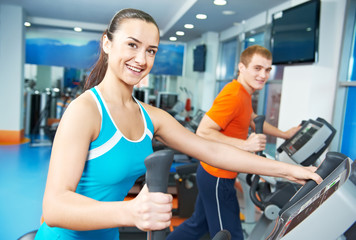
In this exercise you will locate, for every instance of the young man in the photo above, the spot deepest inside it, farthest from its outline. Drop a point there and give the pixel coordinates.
(228, 121)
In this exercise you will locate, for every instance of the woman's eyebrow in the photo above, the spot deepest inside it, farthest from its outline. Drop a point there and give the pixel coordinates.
(138, 41)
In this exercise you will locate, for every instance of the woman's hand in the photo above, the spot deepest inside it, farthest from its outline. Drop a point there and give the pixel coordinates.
(301, 175)
(152, 210)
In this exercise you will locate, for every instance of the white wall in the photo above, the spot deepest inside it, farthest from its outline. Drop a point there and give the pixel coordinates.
(308, 91)
(12, 50)
(201, 84)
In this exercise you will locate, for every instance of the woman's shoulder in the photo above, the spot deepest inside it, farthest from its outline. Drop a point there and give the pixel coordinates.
(83, 106)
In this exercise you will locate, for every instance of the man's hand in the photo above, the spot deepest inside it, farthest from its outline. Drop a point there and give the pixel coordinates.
(255, 142)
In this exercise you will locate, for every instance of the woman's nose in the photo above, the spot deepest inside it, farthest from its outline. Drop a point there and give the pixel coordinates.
(141, 57)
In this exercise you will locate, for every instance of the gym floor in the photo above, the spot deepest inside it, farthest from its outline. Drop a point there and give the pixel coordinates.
(23, 173)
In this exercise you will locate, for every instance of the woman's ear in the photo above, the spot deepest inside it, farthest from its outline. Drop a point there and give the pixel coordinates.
(106, 44)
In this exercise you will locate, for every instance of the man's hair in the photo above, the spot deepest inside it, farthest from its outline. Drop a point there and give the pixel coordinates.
(248, 53)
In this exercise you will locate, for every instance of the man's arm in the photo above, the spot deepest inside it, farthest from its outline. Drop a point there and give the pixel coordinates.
(274, 131)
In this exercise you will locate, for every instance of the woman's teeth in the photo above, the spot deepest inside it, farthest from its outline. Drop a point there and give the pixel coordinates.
(134, 69)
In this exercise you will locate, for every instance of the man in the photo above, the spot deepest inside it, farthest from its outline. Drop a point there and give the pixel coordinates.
(228, 121)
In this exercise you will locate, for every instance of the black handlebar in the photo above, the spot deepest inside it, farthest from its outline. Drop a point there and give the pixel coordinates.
(259, 120)
(332, 160)
(158, 167)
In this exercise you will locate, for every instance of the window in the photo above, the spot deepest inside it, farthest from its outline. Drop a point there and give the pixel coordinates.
(226, 67)
(345, 116)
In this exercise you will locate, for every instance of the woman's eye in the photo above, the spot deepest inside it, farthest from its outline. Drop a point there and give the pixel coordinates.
(133, 45)
(151, 51)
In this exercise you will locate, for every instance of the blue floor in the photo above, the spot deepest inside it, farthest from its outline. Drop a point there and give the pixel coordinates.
(23, 173)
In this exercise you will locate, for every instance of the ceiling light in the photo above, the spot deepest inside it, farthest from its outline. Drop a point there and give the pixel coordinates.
(173, 39)
(228, 12)
(251, 40)
(201, 16)
(180, 33)
(189, 26)
(78, 29)
(220, 2)
(27, 24)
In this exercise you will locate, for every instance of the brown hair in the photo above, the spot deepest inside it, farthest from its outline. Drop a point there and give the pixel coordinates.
(99, 70)
(247, 54)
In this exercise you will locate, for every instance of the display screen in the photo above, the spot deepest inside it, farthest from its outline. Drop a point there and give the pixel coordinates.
(199, 54)
(295, 34)
(301, 138)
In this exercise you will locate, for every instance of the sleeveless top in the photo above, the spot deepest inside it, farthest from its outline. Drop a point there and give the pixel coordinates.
(114, 163)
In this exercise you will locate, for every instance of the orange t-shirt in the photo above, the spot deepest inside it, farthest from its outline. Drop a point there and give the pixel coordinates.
(231, 110)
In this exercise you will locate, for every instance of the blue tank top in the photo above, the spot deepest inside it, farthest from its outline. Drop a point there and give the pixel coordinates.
(113, 165)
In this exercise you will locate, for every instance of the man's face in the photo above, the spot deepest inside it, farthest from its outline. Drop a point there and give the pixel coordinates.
(254, 76)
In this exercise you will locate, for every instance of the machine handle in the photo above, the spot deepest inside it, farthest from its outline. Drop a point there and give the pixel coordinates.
(222, 235)
(332, 161)
(259, 120)
(158, 167)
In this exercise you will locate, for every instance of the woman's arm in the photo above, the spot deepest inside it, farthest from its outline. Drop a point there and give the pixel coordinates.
(208, 129)
(224, 156)
(63, 207)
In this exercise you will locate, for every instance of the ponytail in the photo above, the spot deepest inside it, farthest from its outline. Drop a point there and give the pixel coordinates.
(99, 70)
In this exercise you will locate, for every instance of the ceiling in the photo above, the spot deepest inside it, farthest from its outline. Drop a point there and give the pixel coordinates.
(170, 15)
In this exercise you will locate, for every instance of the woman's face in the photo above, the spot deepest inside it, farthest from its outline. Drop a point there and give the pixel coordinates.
(132, 51)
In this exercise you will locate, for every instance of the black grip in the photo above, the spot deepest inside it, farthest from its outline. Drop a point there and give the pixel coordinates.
(253, 191)
(158, 167)
(222, 235)
(259, 120)
(332, 161)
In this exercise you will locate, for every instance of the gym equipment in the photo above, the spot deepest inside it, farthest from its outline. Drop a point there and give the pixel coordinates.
(304, 148)
(28, 236)
(187, 189)
(323, 211)
(307, 145)
(222, 235)
(158, 165)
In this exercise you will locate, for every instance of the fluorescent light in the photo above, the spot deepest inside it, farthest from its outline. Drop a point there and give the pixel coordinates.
(78, 29)
(220, 2)
(173, 39)
(180, 33)
(201, 16)
(228, 12)
(27, 24)
(189, 26)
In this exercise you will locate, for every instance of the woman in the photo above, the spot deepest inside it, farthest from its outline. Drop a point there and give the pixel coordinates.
(105, 135)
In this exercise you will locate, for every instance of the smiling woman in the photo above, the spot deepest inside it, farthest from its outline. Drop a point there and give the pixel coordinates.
(105, 135)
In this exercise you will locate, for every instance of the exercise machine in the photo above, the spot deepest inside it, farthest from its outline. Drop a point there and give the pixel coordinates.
(325, 211)
(304, 148)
